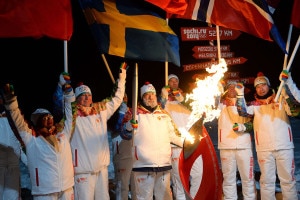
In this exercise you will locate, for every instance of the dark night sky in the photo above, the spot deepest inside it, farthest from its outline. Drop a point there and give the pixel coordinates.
(33, 65)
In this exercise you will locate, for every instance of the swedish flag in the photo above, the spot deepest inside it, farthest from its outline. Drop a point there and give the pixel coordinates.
(127, 29)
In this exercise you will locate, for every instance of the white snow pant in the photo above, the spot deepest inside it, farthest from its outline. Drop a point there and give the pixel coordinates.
(241, 160)
(149, 184)
(9, 174)
(177, 188)
(283, 162)
(92, 186)
(65, 195)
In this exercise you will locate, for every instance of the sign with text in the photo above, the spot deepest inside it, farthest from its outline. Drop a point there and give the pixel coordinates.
(198, 49)
(207, 33)
(203, 65)
(229, 75)
(209, 55)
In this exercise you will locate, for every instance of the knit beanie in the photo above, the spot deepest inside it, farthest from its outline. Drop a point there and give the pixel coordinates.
(37, 114)
(261, 79)
(230, 82)
(82, 89)
(173, 76)
(147, 87)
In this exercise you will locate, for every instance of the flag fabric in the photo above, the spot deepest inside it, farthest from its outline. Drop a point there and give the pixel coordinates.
(36, 18)
(295, 19)
(170, 6)
(128, 29)
(250, 16)
(272, 5)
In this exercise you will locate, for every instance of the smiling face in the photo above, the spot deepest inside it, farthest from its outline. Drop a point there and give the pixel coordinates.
(85, 99)
(173, 83)
(262, 89)
(45, 121)
(150, 99)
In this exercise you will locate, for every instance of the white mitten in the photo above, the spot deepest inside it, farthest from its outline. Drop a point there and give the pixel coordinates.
(64, 78)
(122, 75)
(165, 92)
(239, 88)
(239, 128)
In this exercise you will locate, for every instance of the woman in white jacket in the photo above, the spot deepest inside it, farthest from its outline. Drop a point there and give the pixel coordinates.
(48, 150)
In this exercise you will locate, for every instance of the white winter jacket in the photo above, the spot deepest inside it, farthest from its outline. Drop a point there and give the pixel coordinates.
(272, 128)
(89, 141)
(151, 141)
(227, 138)
(50, 170)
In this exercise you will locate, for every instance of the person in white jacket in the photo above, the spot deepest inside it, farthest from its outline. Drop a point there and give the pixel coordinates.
(89, 140)
(10, 154)
(47, 148)
(235, 145)
(273, 138)
(153, 131)
(172, 99)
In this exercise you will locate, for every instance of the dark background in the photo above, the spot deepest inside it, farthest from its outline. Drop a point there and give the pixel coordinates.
(33, 65)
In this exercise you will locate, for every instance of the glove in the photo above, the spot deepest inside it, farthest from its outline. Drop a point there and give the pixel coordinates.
(123, 68)
(67, 88)
(176, 92)
(64, 78)
(239, 88)
(284, 75)
(238, 127)
(178, 96)
(165, 92)
(9, 93)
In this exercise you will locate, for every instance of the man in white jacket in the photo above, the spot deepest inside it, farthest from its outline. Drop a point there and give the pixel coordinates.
(89, 140)
(172, 99)
(47, 148)
(235, 145)
(273, 138)
(151, 150)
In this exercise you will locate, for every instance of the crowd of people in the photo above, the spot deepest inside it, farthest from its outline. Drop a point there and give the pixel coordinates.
(67, 153)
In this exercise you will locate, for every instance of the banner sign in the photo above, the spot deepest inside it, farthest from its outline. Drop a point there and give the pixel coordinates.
(198, 49)
(209, 55)
(203, 65)
(207, 33)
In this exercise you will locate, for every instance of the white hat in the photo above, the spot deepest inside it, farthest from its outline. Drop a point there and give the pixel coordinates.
(37, 113)
(147, 87)
(229, 82)
(172, 76)
(261, 79)
(82, 89)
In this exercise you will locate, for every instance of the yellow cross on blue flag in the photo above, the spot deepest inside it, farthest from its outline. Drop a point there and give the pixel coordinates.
(129, 29)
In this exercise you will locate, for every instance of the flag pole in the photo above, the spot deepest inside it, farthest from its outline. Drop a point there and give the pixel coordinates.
(134, 93)
(287, 46)
(108, 68)
(218, 44)
(288, 67)
(65, 55)
(166, 63)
